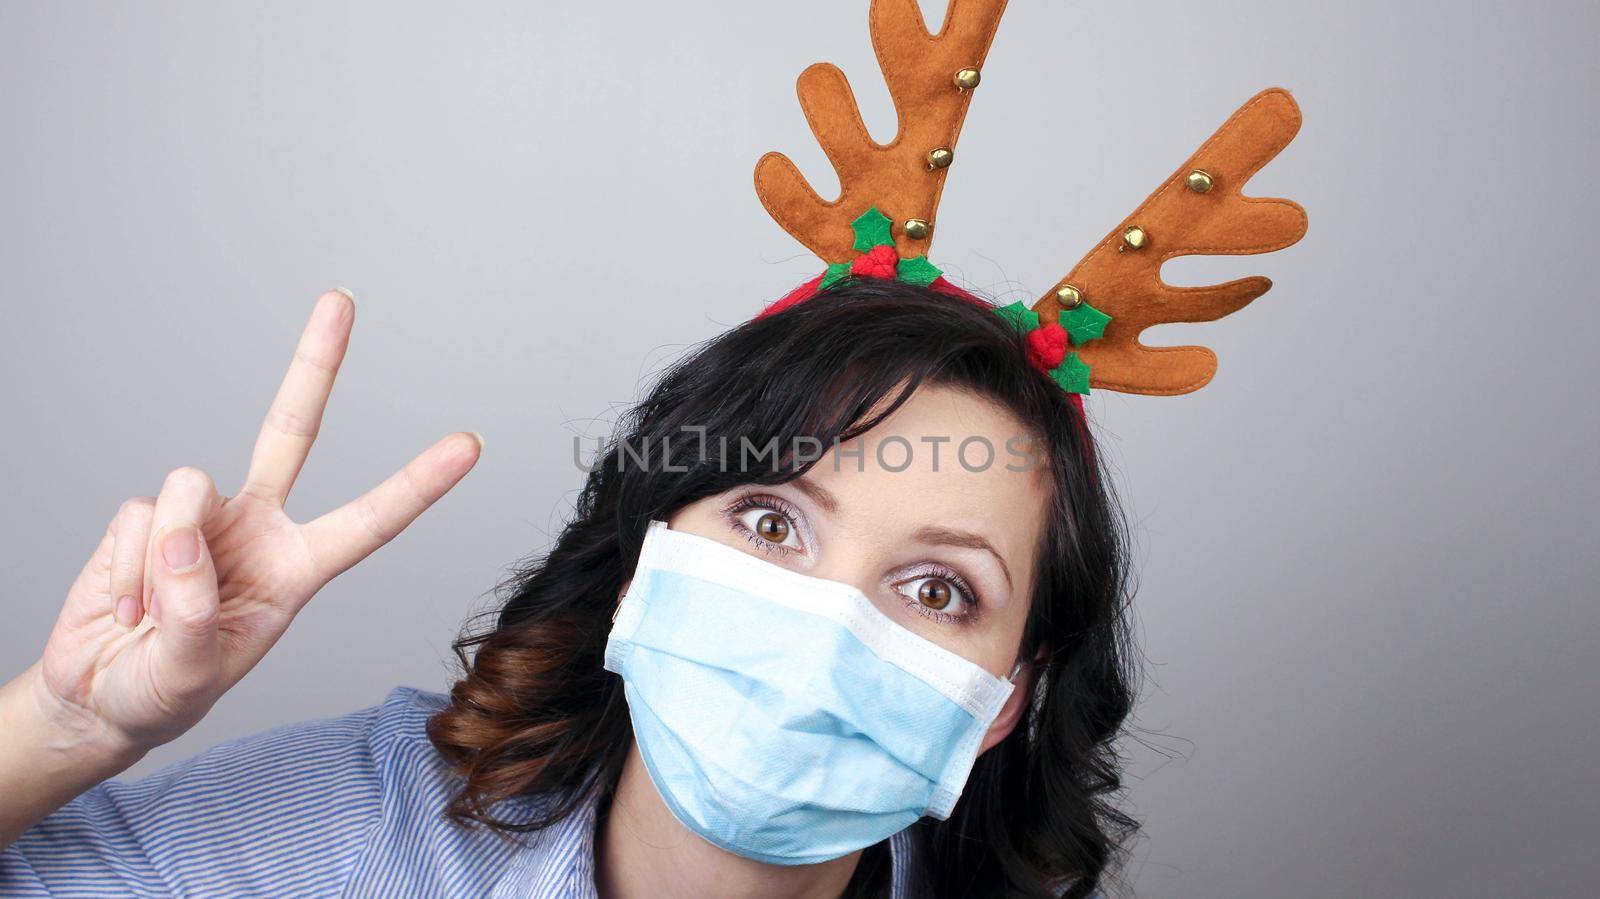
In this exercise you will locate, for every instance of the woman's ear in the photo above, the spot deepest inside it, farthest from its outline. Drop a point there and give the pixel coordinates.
(1017, 703)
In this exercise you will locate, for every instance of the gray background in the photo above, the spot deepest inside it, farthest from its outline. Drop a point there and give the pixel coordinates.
(1367, 549)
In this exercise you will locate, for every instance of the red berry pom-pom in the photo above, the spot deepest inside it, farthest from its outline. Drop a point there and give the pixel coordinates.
(1047, 346)
(878, 262)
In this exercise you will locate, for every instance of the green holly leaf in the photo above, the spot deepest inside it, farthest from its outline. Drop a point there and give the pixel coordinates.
(917, 270)
(1019, 316)
(837, 271)
(872, 230)
(1072, 374)
(1084, 323)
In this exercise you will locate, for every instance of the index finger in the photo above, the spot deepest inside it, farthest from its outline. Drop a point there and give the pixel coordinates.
(295, 416)
(350, 533)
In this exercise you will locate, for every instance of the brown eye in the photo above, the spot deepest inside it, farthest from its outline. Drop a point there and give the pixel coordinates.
(943, 598)
(772, 527)
(934, 593)
(769, 527)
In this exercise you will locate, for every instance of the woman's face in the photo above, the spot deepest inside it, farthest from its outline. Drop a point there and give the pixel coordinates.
(946, 549)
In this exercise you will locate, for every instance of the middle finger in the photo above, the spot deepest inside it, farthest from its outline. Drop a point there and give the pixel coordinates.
(295, 416)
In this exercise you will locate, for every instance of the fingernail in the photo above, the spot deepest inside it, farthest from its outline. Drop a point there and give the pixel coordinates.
(478, 437)
(126, 611)
(181, 547)
(347, 292)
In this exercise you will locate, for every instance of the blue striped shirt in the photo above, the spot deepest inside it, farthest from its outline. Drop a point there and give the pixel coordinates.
(346, 806)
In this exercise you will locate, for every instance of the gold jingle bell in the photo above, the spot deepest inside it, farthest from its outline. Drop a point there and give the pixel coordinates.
(967, 79)
(1069, 297)
(940, 158)
(918, 229)
(1134, 238)
(1199, 181)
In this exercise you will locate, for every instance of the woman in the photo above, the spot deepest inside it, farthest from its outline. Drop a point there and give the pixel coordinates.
(889, 445)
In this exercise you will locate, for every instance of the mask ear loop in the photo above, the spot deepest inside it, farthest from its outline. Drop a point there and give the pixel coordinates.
(1016, 670)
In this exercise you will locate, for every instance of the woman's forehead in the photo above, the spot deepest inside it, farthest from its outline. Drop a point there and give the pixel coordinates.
(946, 457)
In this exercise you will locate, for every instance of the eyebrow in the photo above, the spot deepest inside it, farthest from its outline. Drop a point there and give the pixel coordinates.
(818, 495)
(931, 534)
(949, 537)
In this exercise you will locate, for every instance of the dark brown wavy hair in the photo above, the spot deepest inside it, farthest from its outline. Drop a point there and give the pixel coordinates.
(536, 714)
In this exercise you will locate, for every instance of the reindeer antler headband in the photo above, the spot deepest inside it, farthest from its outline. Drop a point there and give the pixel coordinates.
(1085, 331)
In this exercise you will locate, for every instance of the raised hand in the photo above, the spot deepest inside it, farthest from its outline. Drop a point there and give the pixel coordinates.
(189, 589)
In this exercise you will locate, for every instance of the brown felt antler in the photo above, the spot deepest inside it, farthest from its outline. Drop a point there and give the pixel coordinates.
(1199, 210)
(930, 79)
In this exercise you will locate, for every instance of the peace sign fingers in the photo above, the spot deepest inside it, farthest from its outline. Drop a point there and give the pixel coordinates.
(295, 416)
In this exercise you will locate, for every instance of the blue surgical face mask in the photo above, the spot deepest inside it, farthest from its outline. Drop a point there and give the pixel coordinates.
(785, 718)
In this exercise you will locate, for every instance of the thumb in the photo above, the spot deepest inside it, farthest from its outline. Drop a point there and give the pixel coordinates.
(186, 657)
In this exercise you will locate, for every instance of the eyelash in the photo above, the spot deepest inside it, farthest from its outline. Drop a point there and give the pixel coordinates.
(776, 504)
